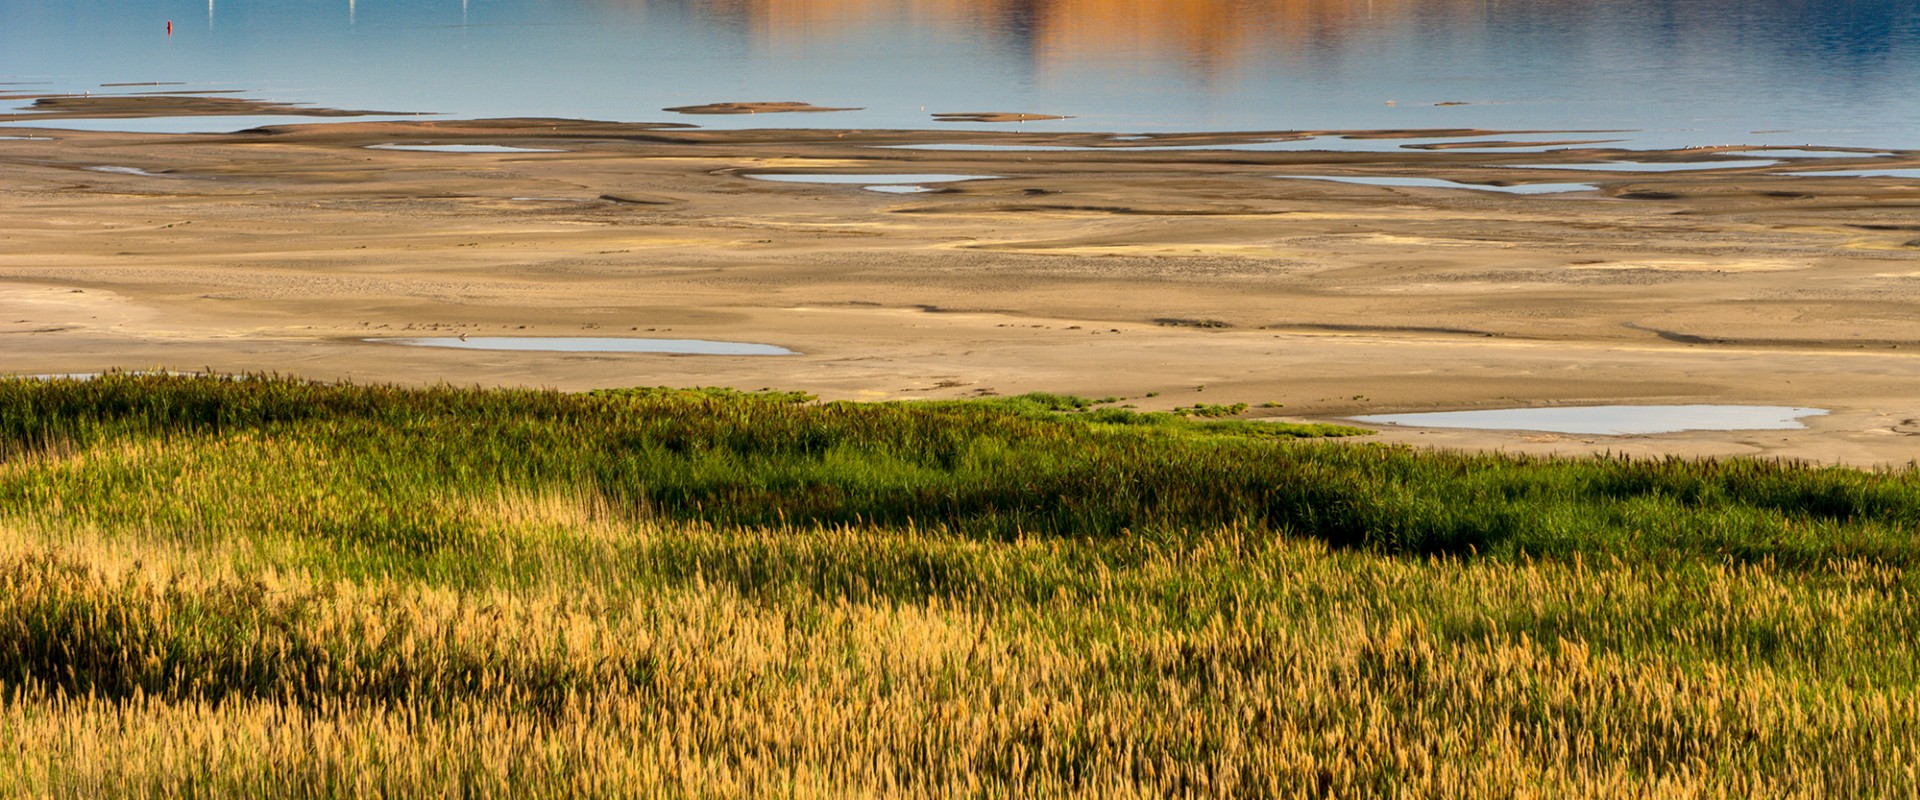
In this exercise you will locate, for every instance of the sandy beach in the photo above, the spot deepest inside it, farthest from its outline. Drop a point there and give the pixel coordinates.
(1093, 265)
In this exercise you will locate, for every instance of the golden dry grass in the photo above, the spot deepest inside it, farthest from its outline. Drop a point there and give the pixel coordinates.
(674, 661)
(333, 608)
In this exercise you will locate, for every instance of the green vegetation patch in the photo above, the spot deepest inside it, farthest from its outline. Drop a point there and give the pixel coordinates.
(385, 470)
(377, 464)
(263, 587)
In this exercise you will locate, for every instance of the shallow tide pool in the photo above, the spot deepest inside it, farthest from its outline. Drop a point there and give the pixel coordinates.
(1859, 173)
(874, 182)
(1651, 166)
(1437, 183)
(462, 148)
(1504, 143)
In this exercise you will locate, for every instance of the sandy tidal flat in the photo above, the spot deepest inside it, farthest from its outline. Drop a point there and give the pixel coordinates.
(1166, 277)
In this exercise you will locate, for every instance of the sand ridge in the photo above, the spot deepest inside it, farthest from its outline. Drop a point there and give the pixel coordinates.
(1166, 277)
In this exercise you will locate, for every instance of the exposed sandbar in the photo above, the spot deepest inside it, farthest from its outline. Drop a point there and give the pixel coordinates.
(1167, 277)
(780, 107)
(993, 116)
(162, 104)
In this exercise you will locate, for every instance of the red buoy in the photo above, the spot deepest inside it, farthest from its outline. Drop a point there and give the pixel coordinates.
(169, 27)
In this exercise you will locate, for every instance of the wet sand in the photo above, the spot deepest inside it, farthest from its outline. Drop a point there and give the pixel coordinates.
(1167, 277)
(993, 116)
(139, 105)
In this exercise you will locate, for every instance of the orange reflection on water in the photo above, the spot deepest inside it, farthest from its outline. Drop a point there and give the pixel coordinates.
(1202, 33)
(1205, 34)
(778, 22)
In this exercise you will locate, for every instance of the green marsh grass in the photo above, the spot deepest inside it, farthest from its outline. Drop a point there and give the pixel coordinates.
(228, 588)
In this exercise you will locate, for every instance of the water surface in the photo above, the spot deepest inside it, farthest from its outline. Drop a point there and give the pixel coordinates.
(1651, 166)
(870, 177)
(1859, 173)
(121, 171)
(874, 182)
(1441, 183)
(463, 148)
(1784, 73)
(1796, 152)
(1490, 143)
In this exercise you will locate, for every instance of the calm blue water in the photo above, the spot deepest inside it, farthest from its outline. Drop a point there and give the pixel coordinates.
(1681, 72)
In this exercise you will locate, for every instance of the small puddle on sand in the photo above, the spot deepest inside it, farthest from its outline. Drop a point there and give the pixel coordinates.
(603, 344)
(874, 182)
(1608, 420)
(462, 148)
(122, 171)
(1437, 183)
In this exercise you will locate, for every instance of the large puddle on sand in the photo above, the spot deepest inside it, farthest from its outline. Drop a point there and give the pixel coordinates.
(1140, 144)
(462, 148)
(874, 182)
(1609, 420)
(1812, 152)
(1651, 166)
(597, 344)
(1438, 183)
(1858, 173)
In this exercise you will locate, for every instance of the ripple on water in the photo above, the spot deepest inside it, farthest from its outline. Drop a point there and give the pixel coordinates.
(1609, 420)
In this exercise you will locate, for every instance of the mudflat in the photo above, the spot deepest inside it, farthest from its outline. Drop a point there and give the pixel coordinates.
(1092, 264)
